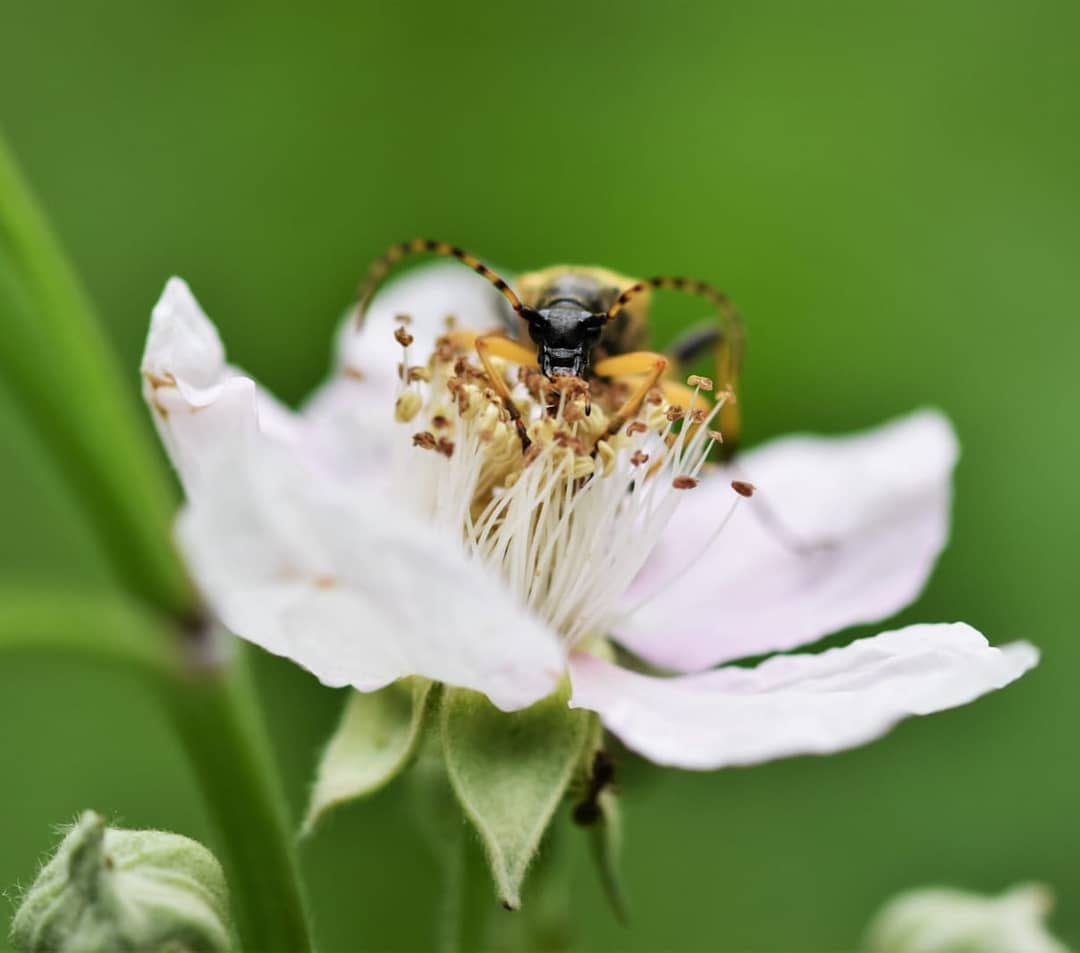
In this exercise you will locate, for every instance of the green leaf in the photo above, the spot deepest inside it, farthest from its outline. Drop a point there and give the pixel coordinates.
(377, 736)
(58, 365)
(510, 771)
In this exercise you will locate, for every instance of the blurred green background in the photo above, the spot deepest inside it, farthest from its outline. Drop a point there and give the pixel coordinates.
(889, 190)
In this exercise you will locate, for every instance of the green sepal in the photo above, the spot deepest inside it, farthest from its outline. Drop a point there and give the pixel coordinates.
(510, 771)
(597, 810)
(605, 841)
(377, 736)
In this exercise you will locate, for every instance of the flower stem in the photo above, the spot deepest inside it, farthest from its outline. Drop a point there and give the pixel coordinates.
(468, 896)
(216, 717)
(58, 364)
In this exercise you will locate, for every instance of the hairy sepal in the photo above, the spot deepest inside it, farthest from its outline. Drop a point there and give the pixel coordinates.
(377, 737)
(510, 772)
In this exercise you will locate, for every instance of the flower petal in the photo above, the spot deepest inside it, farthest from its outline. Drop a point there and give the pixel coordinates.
(871, 511)
(352, 414)
(332, 574)
(796, 704)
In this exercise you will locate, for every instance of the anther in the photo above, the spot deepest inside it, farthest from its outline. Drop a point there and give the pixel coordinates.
(715, 435)
(742, 488)
(403, 319)
(697, 416)
(684, 483)
(445, 447)
(639, 458)
(420, 374)
(407, 406)
(655, 396)
(696, 380)
(424, 440)
(403, 337)
(675, 413)
(635, 427)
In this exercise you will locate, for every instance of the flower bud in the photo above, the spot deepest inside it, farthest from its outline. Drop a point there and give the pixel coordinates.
(108, 890)
(939, 920)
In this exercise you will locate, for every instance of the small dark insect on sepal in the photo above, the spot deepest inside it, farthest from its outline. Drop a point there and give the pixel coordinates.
(587, 811)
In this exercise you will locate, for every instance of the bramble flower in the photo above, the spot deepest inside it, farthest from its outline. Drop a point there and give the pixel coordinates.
(393, 527)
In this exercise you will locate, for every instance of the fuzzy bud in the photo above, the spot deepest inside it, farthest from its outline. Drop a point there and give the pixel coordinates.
(941, 920)
(108, 890)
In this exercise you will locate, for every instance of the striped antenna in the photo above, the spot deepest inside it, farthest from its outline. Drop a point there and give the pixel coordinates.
(417, 246)
(734, 336)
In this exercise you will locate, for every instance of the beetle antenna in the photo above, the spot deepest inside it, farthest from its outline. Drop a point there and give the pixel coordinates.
(734, 336)
(395, 253)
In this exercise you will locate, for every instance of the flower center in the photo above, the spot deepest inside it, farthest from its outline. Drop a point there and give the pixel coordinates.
(569, 514)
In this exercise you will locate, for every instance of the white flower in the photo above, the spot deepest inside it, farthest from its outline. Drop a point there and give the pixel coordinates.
(393, 527)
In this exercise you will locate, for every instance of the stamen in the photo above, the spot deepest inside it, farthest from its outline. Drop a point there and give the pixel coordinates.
(568, 523)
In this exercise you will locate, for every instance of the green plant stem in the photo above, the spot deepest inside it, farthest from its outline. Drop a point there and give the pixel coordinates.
(91, 626)
(57, 363)
(216, 717)
(55, 359)
(468, 896)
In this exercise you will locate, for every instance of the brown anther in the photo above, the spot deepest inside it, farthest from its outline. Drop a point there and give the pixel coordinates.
(696, 380)
(675, 413)
(655, 397)
(424, 440)
(461, 366)
(353, 373)
(742, 488)
(445, 447)
(402, 337)
(325, 582)
(639, 458)
(697, 416)
(684, 483)
(440, 422)
(715, 435)
(403, 319)
(444, 351)
(634, 427)
(727, 395)
(419, 374)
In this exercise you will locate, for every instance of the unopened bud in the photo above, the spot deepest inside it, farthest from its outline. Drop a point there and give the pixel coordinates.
(108, 890)
(941, 920)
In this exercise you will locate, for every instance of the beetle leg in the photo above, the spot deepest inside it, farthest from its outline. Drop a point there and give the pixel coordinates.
(636, 362)
(489, 345)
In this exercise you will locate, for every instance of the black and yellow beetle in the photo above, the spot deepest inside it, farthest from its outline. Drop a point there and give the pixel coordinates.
(591, 323)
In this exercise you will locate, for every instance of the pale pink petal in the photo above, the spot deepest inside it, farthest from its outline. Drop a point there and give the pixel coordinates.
(332, 574)
(864, 518)
(352, 414)
(796, 704)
